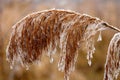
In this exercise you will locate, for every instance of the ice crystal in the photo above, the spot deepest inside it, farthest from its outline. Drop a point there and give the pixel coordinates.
(112, 66)
(100, 37)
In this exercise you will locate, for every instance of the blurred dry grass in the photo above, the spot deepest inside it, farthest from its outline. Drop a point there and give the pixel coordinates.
(13, 10)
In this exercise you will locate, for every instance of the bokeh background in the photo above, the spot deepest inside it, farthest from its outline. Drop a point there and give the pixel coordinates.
(12, 11)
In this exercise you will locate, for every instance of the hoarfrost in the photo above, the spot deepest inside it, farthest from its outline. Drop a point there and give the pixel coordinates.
(112, 66)
(89, 39)
(44, 32)
(61, 63)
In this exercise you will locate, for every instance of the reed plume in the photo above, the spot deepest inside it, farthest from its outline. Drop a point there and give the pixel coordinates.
(41, 32)
(112, 66)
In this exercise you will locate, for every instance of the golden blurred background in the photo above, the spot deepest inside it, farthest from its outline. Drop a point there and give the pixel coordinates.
(12, 11)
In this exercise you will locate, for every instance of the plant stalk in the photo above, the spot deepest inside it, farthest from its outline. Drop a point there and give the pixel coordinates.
(111, 27)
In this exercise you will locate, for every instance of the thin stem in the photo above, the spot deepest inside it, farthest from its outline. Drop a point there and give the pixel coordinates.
(110, 26)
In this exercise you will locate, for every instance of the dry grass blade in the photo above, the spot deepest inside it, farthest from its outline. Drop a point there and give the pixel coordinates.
(44, 31)
(112, 67)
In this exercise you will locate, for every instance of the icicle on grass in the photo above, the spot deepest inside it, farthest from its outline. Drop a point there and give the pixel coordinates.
(100, 36)
(112, 66)
(89, 39)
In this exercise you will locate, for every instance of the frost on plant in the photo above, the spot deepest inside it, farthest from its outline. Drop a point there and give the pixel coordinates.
(43, 32)
(88, 37)
(112, 66)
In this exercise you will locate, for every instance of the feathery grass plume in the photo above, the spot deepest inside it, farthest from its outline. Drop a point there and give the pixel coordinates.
(42, 32)
(112, 66)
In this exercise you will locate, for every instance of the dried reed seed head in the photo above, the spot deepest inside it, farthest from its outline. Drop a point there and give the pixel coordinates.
(112, 67)
(42, 32)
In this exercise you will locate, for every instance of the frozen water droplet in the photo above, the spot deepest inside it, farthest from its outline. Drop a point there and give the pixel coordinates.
(27, 67)
(67, 77)
(11, 67)
(89, 62)
(51, 60)
(61, 66)
(87, 56)
(99, 37)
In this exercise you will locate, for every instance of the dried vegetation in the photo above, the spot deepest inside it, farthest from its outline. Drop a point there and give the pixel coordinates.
(43, 32)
